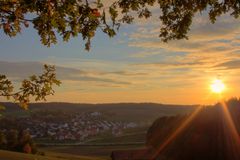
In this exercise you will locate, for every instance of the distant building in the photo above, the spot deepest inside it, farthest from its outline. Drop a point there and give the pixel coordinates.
(131, 125)
(95, 114)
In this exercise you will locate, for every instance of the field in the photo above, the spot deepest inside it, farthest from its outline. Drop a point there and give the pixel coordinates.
(6, 155)
(103, 152)
(69, 153)
(102, 146)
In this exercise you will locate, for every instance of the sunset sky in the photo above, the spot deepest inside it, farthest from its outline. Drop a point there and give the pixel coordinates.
(134, 66)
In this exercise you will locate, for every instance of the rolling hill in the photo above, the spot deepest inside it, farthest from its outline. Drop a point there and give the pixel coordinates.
(136, 112)
(211, 133)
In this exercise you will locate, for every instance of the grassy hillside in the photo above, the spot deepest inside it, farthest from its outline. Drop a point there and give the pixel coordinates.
(103, 152)
(7, 155)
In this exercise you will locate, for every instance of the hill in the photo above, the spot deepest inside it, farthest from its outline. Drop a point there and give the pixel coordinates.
(208, 133)
(146, 112)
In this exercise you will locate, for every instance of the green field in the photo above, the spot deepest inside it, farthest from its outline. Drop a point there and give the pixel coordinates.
(126, 138)
(69, 153)
(103, 152)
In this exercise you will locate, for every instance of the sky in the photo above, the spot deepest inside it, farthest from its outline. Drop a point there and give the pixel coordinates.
(134, 66)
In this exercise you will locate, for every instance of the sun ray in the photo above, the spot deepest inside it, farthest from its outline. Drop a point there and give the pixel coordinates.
(179, 130)
(232, 135)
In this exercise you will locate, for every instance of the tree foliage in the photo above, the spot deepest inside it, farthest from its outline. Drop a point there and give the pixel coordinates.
(20, 141)
(70, 18)
(37, 87)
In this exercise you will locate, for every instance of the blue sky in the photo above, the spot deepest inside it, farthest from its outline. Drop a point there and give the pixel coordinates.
(134, 66)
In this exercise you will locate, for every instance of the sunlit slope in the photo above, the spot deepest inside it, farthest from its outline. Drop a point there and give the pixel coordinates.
(7, 155)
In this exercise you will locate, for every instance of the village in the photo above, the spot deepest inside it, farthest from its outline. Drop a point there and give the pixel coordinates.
(78, 127)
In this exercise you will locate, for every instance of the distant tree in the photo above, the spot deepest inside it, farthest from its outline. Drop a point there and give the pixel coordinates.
(12, 140)
(69, 18)
(20, 141)
(37, 87)
(27, 148)
(24, 137)
(25, 143)
(209, 135)
(3, 140)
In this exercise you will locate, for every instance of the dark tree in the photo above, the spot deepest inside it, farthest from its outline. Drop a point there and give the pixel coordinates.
(208, 135)
(3, 140)
(12, 140)
(25, 143)
(15, 140)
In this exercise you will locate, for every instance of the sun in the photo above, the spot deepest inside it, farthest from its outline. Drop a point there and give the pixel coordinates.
(217, 86)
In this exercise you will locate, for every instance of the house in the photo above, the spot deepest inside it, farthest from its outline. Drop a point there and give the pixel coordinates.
(95, 114)
(131, 125)
(117, 131)
(138, 154)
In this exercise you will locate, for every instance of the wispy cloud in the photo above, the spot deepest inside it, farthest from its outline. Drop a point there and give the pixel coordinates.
(21, 70)
(229, 65)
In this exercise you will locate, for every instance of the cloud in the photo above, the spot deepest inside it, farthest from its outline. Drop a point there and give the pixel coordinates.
(124, 73)
(21, 70)
(24, 69)
(146, 53)
(210, 47)
(203, 37)
(235, 64)
(172, 65)
(225, 28)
